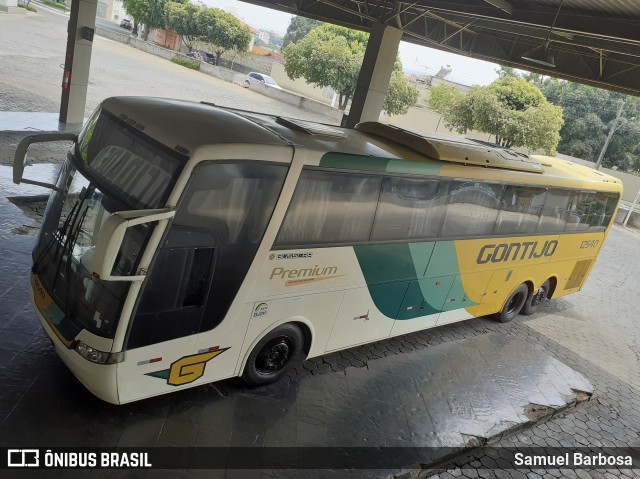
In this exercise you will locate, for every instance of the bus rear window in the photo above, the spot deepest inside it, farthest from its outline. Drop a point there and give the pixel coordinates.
(126, 163)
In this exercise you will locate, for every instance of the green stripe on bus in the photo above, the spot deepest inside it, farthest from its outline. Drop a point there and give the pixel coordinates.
(373, 163)
(409, 280)
(414, 167)
(354, 162)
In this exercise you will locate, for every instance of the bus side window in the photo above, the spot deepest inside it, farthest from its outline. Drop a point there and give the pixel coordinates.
(410, 208)
(472, 210)
(578, 218)
(197, 285)
(330, 207)
(554, 212)
(520, 212)
(234, 200)
(602, 211)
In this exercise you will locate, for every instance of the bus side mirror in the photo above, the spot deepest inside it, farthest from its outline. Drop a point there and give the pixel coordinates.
(20, 155)
(102, 259)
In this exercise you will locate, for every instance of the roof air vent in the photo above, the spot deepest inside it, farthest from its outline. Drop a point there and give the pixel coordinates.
(310, 127)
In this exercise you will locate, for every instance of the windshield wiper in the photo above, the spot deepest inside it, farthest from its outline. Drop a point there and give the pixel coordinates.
(58, 234)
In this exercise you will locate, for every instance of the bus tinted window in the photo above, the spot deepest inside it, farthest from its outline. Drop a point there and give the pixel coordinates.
(602, 210)
(197, 283)
(410, 208)
(520, 212)
(330, 207)
(239, 196)
(139, 171)
(472, 210)
(554, 211)
(579, 209)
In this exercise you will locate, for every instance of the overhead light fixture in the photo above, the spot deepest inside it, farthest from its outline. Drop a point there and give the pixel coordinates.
(541, 54)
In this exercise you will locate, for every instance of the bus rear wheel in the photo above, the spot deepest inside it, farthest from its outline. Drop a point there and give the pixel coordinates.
(514, 304)
(535, 298)
(274, 355)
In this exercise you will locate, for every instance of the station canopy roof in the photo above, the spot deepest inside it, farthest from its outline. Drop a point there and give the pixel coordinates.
(596, 42)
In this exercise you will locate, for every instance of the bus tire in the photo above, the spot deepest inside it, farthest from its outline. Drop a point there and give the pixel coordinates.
(514, 304)
(274, 355)
(535, 298)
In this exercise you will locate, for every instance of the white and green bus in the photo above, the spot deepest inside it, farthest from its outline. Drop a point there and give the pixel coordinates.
(184, 243)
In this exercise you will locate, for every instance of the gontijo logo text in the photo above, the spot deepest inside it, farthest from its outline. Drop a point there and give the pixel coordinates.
(305, 275)
(497, 253)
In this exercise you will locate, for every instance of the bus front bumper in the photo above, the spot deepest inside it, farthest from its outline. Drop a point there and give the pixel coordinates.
(100, 379)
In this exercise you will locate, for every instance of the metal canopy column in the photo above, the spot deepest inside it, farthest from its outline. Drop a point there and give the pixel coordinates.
(82, 24)
(373, 81)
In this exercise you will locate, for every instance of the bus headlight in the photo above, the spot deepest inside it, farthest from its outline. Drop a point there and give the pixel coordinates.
(96, 356)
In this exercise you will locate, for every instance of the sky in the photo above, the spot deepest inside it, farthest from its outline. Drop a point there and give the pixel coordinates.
(415, 59)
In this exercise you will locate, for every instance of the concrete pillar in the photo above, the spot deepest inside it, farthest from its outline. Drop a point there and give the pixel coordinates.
(11, 6)
(80, 30)
(373, 81)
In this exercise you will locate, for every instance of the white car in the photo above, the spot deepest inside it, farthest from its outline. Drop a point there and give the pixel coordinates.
(254, 78)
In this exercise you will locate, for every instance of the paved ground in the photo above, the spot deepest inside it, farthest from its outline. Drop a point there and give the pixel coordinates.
(32, 52)
(596, 331)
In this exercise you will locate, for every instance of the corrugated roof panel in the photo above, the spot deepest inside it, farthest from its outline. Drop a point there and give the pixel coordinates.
(617, 8)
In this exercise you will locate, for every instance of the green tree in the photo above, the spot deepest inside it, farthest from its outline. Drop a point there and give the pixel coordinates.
(138, 10)
(222, 31)
(512, 109)
(531, 77)
(150, 13)
(504, 72)
(401, 95)
(298, 28)
(182, 18)
(331, 56)
(589, 114)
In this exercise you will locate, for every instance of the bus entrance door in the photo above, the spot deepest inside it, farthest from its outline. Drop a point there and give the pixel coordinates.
(162, 336)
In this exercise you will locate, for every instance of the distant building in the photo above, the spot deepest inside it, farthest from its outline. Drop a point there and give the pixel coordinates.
(111, 10)
(104, 9)
(118, 12)
(444, 72)
(263, 36)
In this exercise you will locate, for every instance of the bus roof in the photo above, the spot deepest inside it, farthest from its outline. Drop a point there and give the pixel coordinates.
(371, 146)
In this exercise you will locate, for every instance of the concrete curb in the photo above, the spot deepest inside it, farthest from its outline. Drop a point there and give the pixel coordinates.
(466, 454)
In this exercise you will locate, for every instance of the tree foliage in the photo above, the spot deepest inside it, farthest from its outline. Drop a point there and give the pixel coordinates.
(137, 9)
(401, 95)
(182, 18)
(298, 28)
(331, 56)
(222, 31)
(589, 114)
(151, 13)
(512, 109)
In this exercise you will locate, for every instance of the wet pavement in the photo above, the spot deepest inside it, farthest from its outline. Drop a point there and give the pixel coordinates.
(455, 394)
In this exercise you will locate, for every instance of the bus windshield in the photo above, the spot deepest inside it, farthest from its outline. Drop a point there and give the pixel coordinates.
(113, 168)
(132, 167)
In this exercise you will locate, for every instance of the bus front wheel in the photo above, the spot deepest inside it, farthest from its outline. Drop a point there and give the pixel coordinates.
(535, 298)
(274, 355)
(514, 304)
